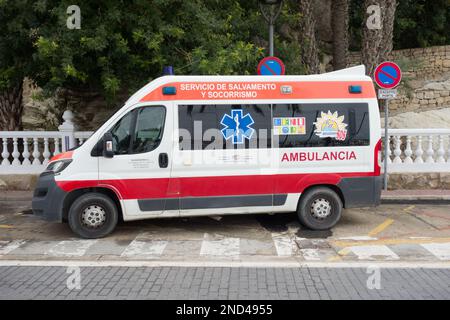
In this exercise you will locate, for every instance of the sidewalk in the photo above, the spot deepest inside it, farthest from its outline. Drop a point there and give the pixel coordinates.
(15, 195)
(397, 196)
(390, 196)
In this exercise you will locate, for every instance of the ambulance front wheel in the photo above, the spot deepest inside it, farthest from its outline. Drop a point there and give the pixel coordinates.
(93, 215)
(319, 208)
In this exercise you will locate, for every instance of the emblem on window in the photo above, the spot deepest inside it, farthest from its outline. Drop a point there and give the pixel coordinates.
(289, 125)
(331, 125)
(237, 126)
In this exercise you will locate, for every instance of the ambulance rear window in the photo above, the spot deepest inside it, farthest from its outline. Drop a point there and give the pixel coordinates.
(321, 125)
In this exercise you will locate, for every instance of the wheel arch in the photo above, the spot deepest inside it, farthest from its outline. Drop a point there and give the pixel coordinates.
(75, 194)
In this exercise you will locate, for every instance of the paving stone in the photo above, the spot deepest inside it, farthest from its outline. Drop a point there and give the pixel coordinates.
(287, 283)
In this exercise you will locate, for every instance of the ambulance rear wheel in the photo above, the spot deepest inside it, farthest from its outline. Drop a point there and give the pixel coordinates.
(319, 208)
(93, 215)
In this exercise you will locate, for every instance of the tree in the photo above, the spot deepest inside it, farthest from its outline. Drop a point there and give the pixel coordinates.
(310, 51)
(378, 32)
(339, 24)
(421, 23)
(18, 22)
(121, 46)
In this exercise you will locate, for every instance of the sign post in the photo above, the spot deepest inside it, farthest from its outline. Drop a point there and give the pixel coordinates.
(387, 76)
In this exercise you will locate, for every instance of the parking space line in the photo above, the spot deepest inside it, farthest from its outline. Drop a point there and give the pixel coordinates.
(283, 244)
(340, 243)
(374, 253)
(220, 247)
(371, 234)
(8, 246)
(380, 228)
(310, 254)
(69, 248)
(149, 248)
(439, 250)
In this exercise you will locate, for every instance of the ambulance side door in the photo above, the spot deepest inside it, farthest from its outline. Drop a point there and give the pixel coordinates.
(140, 169)
(217, 175)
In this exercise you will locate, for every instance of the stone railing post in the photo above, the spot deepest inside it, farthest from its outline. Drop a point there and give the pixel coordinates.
(67, 129)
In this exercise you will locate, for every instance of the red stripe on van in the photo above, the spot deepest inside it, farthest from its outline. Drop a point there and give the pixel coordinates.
(232, 91)
(211, 186)
(61, 156)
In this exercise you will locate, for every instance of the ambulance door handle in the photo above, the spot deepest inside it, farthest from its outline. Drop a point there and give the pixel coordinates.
(163, 160)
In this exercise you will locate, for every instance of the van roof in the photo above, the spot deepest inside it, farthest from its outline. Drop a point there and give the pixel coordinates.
(331, 85)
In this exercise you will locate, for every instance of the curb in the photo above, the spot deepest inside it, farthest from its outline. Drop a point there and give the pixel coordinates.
(272, 263)
(416, 200)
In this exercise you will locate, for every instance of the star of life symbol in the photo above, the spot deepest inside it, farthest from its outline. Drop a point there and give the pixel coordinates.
(237, 126)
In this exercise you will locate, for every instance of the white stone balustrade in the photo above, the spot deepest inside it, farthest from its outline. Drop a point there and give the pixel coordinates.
(410, 150)
(31, 150)
(24, 152)
(418, 150)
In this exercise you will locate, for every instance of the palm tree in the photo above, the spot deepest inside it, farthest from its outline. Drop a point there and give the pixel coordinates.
(308, 37)
(377, 43)
(339, 25)
(11, 107)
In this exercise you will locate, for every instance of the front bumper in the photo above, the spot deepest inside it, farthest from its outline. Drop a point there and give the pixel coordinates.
(48, 198)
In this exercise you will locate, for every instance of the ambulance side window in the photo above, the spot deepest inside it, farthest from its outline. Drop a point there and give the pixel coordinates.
(139, 131)
(321, 125)
(149, 129)
(204, 127)
(121, 133)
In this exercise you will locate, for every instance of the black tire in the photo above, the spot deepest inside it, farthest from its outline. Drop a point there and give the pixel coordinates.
(315, 217)
(89, 203)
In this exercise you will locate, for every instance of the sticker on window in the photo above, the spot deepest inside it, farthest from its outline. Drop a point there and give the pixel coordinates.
(237, 126)
(331, 125)
(288, 126)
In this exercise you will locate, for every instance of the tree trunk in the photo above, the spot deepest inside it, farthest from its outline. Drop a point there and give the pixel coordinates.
(308, 37)
(388, 28)
(377, 43)
(339, 25)
(11, 108)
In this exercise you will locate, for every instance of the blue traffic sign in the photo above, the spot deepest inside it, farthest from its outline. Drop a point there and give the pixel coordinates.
(271, 66)
(388, 75)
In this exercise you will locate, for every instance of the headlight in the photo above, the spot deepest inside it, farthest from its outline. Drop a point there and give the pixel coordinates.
(58, 166)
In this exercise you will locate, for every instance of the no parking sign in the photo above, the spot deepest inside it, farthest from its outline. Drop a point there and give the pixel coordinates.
(271, 66)
(388, 75)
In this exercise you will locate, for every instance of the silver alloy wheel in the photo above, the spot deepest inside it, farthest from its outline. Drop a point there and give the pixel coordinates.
(320, 208)
(93, 216)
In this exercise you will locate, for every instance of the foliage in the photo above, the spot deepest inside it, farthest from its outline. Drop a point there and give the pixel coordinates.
(418, 23)
(18, 24)
(124, 44)
(422, 23)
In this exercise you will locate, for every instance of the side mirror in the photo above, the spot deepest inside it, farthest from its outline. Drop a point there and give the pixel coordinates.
(108, 151)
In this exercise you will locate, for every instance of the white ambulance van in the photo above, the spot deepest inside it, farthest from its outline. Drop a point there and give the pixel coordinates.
(216, 145)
